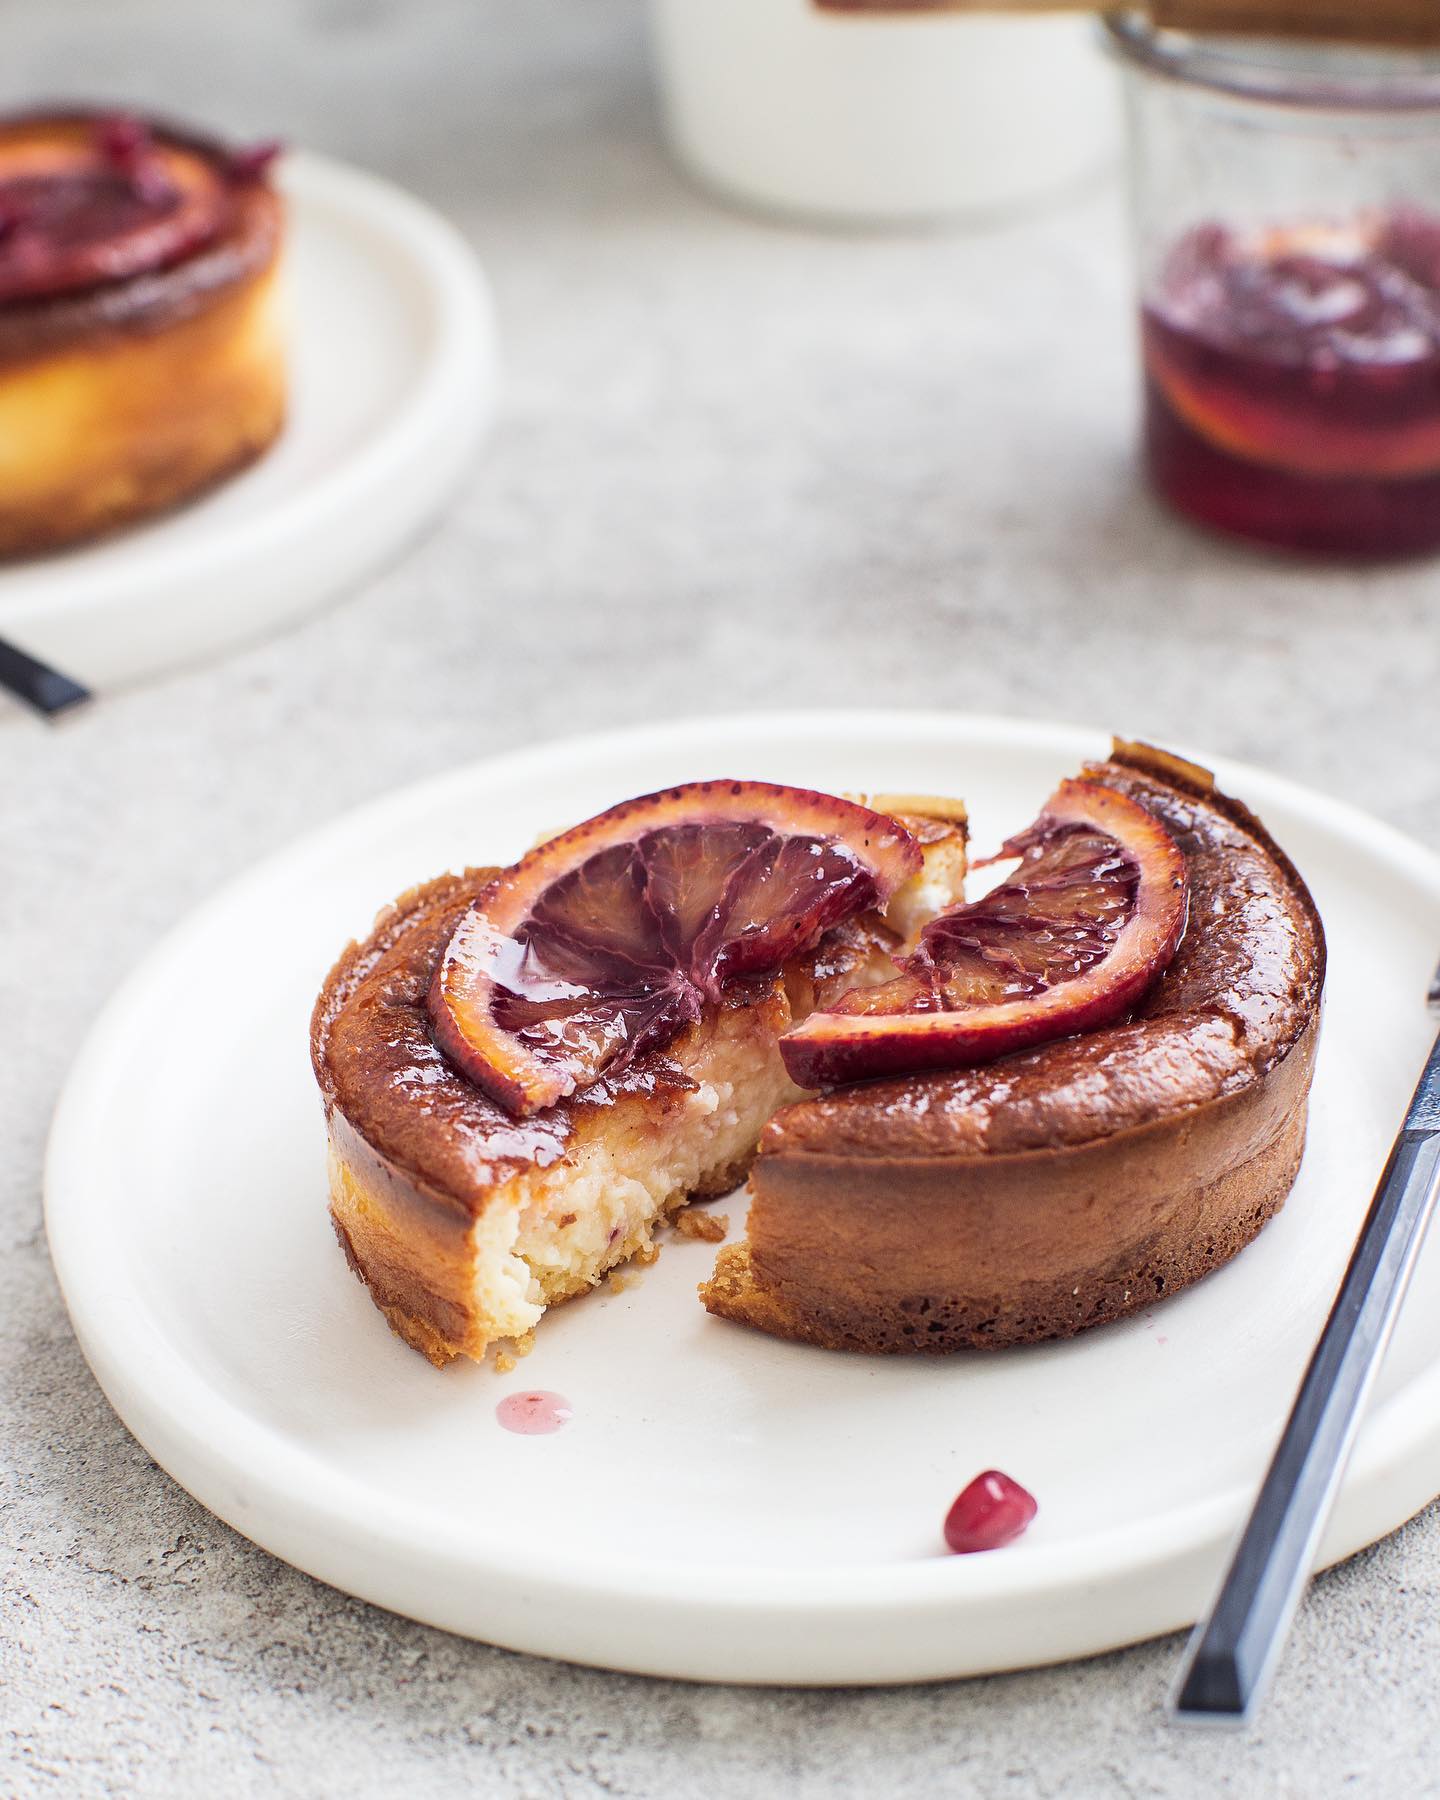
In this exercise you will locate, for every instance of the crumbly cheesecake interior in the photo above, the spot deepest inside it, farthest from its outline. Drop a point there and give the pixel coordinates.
(559, 1230)
(553, 1230)
(543, 1227)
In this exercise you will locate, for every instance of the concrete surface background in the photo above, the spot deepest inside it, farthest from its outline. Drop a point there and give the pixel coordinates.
(740, 466)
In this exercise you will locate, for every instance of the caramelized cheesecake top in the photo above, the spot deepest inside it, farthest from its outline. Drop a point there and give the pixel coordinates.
(377, 1063)
(1244, 986)
(1242, 990)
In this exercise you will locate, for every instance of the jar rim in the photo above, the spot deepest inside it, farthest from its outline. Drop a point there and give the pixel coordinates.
(1281, 73)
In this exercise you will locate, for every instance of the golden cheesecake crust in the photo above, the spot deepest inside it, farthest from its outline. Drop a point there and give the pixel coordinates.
(126, 397)
(1070, 1184)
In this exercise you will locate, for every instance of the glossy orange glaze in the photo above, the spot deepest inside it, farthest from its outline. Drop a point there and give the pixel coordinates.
(378, 1066)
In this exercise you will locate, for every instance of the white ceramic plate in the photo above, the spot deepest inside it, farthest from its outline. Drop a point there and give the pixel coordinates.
(392, 382)
(723, 1506)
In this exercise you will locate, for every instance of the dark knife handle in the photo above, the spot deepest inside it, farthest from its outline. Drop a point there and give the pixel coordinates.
(36, 683)
(1233, 1651)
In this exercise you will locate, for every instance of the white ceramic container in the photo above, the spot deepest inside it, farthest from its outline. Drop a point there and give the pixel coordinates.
(879, 118)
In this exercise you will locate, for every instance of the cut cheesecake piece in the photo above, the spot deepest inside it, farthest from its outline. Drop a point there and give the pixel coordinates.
(1055, 1189)
(466, 1222)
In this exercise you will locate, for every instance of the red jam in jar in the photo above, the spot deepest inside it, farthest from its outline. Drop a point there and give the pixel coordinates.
(1292, 383)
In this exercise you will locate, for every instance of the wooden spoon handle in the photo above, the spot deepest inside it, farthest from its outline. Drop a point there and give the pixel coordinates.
(1388, 22)
(1373, 22)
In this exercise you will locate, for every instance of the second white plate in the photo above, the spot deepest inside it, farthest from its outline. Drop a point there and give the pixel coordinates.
(722, 1506)
(393, 378)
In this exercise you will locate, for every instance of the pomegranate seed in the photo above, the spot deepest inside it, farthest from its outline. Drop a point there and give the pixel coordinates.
(992, 1511)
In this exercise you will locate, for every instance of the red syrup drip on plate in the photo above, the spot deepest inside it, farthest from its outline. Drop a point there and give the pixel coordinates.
(992, 1511)
(534, 1412)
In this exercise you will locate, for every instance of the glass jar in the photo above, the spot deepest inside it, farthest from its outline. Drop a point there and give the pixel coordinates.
(1287, 214)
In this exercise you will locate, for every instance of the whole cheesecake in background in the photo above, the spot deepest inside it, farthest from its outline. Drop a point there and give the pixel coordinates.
(141, 347)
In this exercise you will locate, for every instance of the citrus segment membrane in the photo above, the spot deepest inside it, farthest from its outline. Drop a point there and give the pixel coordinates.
(610, 939)
(1069, 942)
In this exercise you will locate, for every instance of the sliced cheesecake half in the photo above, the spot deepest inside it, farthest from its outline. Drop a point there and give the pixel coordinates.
(1042, 1193)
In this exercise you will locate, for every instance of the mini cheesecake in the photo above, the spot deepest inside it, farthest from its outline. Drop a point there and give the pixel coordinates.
(466, 1222)
(141, 348)
(1052, 1190)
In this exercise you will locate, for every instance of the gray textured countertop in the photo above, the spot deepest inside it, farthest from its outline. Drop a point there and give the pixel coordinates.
(740, 467)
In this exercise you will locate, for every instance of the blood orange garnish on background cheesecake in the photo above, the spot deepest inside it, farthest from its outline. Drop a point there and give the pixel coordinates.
(103, 201)
(611, 938)
(1067, 943)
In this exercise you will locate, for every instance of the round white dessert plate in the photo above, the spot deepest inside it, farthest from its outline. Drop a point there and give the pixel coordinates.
(722, 1506)
(392, 381)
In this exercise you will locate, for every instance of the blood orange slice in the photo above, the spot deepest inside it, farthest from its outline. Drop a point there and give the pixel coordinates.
(75, 212)
(1069, 942)
(612, 937)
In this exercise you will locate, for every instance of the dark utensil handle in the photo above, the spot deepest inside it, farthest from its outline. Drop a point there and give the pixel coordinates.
(36, 683)
(1232, 1652)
